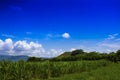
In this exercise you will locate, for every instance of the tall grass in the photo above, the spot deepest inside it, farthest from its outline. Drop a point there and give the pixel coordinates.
(111, 72)
(44, 70)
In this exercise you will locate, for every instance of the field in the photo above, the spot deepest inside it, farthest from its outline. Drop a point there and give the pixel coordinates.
(48, 70)
(111, 72)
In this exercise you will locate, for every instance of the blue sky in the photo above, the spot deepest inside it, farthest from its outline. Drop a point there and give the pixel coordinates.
(61, 25)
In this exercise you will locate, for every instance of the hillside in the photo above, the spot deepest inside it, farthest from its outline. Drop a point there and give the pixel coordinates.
(79, 54)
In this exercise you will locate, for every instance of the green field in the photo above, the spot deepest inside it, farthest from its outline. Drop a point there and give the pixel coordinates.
(111, 72)
(48, 70)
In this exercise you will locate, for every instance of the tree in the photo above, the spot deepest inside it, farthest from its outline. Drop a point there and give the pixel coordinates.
(75, 52)
(34, 59)
(93, 56)
(112, 57)
(118, 55)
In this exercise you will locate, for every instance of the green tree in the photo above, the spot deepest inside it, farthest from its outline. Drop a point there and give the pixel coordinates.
(93, 56)
(34, 59)
(78, 51)
(118, 55)
(112, 57)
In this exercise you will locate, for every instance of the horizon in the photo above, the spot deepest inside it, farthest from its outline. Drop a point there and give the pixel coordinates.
(47, 28)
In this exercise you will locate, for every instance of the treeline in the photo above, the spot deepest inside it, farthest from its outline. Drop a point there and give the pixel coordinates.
(79, 54)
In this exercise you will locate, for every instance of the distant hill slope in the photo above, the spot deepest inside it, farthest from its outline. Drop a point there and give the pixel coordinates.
(79, 54)
(13, 58)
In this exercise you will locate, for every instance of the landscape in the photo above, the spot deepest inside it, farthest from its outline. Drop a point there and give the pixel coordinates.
(75, 65)
(59, 39)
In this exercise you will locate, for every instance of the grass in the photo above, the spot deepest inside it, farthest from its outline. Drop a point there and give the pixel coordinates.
(45, 70)
(111, 72)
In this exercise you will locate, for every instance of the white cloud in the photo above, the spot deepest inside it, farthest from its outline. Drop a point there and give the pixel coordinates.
(66, 35)
(111, 43)
(54, 52)
(113, 36)
(8, 47)
(8, 36)
(72, 49)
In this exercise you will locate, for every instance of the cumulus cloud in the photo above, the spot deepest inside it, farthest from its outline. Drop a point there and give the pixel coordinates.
(54, 52)
(8, 47)
(66, 35)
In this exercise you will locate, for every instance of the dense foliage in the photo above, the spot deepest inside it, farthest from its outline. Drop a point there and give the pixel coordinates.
(43, 70)
(78, 55)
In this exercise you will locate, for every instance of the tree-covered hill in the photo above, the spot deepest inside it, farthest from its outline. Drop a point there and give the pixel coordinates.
(80, 54)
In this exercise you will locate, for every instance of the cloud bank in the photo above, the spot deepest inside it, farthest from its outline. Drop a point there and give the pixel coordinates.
(8, 47)
(22, 47)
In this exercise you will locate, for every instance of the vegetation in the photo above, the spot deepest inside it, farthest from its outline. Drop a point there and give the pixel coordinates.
(45, 70)
(81, 65)
(78, 55)
(111, 72)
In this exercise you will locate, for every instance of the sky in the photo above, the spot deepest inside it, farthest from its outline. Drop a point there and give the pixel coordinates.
(47, 28)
